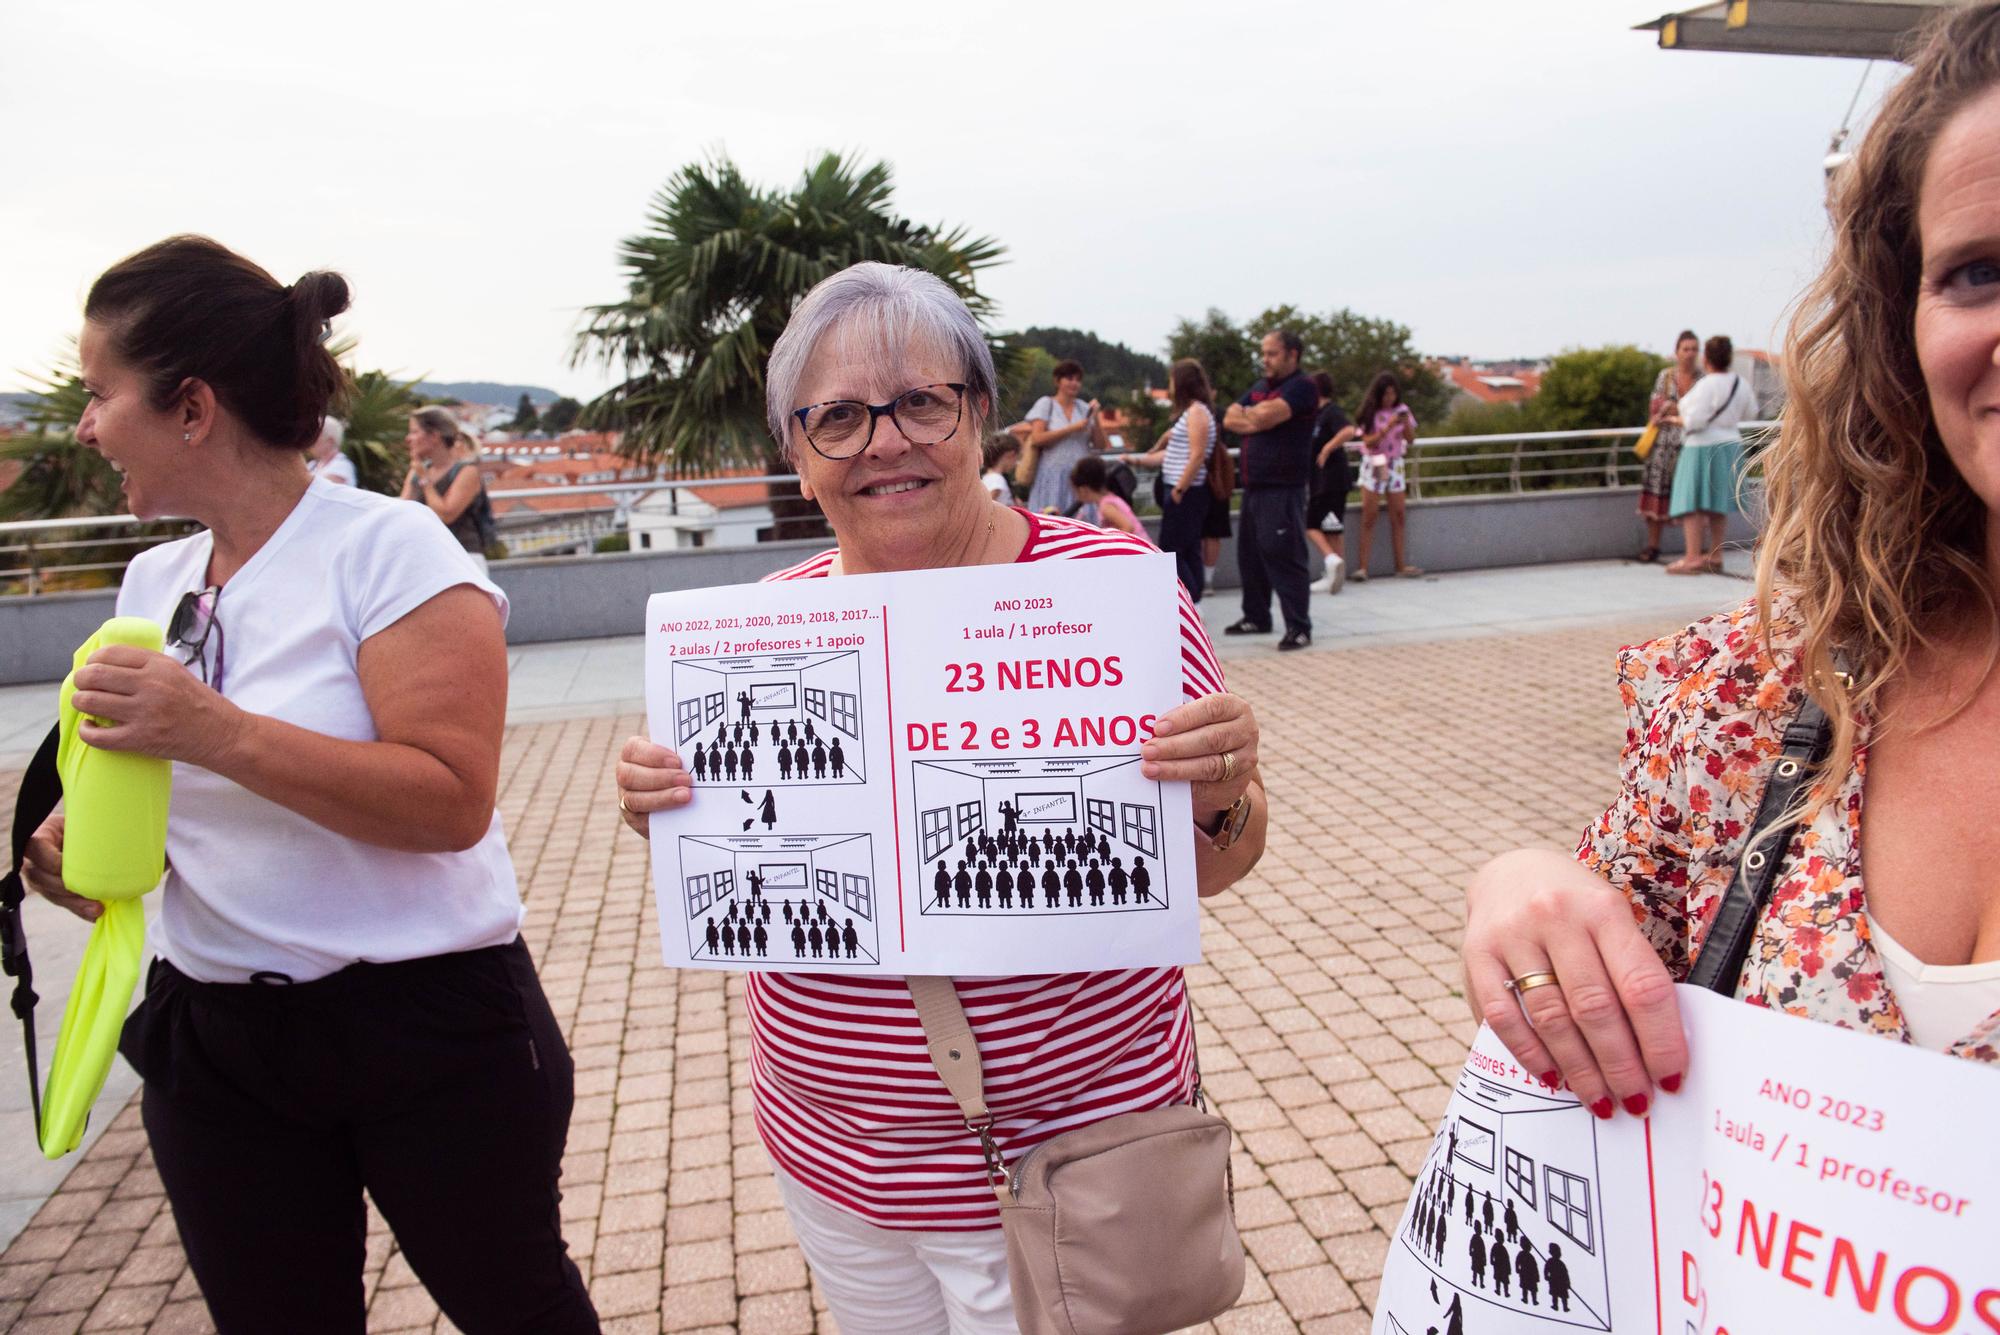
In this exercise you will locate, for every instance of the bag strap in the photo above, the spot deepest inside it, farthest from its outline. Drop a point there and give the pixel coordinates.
(41, 790)
(1727, 945)
(1735, 383)
(955, 1054)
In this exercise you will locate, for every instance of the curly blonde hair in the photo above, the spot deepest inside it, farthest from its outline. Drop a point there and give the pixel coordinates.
(1875, 544)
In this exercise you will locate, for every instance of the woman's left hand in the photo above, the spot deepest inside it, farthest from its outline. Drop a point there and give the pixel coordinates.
(151, 704)
(1190, 743)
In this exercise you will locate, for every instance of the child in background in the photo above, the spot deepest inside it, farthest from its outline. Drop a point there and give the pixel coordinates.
(1003, 451)
(1092, 484)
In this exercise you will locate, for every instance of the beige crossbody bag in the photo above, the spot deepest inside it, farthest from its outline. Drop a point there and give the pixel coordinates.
(1123, 1227)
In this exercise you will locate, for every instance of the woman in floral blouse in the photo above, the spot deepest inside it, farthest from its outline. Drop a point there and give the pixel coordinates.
(1656, 481)
(1882, 556)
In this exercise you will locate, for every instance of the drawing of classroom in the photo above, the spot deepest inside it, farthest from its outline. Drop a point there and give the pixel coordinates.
(1507, 1213)
(781, 898)
(1079, 834)
(770, 718)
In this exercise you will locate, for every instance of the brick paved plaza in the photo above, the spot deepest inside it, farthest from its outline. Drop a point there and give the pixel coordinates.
(1329, 1021)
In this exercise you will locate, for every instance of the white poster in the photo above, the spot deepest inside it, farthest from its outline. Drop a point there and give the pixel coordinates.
(1805, 1178)
(933, 772)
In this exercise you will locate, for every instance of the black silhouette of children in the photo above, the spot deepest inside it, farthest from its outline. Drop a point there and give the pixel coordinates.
(784, 763)
(743, 939)
(1103, 847)
(749, 760)
(942, 884)
(1034, 850)
(799, 938)
(1093, 880)
(819, 760)
(792, 730)
(1513, 1223)
(714, 935)
(850, 939)
(759, 937)
(1477, 1250)
(1556, 1271)
(982, 885)
(1142, 882)
(1438, 1237)
(1469, 1195)
(1003, 886)
(962, 884)
(801, 759)
(1503, 1267)
(1051, 885)
(1073, 882)
(753, 732)
(814, 939)
(1528, 1273)
(837, 758)
(1486, 1212)
(729, 762)
(1118, 880)
(809, 730)
(700, 766)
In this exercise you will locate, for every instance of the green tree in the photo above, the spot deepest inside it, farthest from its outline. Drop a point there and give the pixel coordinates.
(59, 477)
(1110, 370)
(1028, 374)
(378, 417)
(525, 416)
(1227, 352)
(711, 282)
(561, 415)
(1585, 388)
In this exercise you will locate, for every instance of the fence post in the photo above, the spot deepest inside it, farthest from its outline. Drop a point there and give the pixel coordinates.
(34, 564)
(1514, 470)
(1611, 462)
(1413, 473)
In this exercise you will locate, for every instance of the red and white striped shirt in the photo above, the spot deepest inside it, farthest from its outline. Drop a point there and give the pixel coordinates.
(846, 1098)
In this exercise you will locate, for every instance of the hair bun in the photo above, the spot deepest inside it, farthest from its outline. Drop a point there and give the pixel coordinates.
(318, 297)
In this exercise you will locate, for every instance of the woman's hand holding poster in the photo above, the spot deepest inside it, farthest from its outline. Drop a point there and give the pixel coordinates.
(1804, 1179)
(934, 772)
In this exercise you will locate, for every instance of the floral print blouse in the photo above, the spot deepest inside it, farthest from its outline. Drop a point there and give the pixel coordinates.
(1706, 713)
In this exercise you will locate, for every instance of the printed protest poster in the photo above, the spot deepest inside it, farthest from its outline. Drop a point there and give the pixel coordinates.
(928, 772)
(1805, 1179)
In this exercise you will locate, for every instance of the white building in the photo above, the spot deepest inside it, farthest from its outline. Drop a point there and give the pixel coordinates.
(717, 513)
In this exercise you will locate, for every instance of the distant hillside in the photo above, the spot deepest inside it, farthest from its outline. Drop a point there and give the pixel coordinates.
(486, 391)
(14, 408)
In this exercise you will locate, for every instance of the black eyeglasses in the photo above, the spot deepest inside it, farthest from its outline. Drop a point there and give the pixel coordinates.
(842, 428)
(193, 625)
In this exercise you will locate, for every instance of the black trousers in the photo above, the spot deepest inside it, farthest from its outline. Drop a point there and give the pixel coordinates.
(1271, 556)
(442, 1086)
(1180, 533)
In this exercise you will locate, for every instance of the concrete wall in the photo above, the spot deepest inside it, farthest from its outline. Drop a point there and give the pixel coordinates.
(567, 598)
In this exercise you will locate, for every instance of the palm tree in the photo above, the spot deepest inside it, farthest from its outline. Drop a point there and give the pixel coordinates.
(711, 283)
(378, 415)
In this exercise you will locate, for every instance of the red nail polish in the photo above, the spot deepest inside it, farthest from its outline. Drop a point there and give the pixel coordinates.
(1549, 1078)
(1602, 1108)
(1635, 1104)
(1672, 1084)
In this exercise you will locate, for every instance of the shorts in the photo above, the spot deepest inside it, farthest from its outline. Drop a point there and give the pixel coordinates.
(1327, 511)
(1216, 525)
(1385, 482)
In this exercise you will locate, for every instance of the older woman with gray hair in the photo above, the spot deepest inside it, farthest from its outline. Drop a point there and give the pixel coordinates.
(326, 459)
(881, 391)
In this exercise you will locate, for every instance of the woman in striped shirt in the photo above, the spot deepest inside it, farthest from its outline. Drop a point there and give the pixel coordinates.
(885, 1186)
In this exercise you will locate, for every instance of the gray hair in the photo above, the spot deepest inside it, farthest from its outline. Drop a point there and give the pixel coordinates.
(333, 426)
(890, 307)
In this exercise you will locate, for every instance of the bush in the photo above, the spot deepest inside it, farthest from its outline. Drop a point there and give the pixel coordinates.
(613, 542)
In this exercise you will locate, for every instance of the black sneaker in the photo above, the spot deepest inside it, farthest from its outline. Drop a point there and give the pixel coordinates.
(1294, 639)
(1246, 627)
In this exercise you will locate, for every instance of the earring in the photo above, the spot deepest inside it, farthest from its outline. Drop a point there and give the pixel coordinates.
(186, 437)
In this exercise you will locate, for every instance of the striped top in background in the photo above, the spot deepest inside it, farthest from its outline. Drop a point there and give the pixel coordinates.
(847, 1101)
(1177, 452)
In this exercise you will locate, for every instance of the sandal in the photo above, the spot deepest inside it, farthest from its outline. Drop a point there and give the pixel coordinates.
(1648, 555)
(1681, 567)
(1409, 572)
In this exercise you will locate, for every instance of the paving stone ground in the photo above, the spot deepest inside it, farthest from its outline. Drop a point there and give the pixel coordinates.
(1330, 1024)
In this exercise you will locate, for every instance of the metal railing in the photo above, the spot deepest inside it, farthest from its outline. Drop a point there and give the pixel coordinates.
(33, 552)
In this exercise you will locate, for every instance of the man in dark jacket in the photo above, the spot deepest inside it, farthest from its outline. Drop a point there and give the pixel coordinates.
(1275, 420)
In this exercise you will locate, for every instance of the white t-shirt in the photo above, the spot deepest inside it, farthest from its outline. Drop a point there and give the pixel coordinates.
(252, 886)
(996, 487)
(339, 468)
(1715, 406)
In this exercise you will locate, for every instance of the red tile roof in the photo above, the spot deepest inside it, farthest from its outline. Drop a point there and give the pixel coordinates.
(1493, 386)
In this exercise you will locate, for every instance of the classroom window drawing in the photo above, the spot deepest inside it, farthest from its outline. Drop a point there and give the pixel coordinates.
(1474, 1223)
(1008, 837)
(1521, 1176)
(1141, 827)
(806, 897)
(770, 720)
(1566, 1200)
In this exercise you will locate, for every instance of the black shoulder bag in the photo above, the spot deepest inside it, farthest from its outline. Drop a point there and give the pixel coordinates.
(1719, 967)
(41, 789)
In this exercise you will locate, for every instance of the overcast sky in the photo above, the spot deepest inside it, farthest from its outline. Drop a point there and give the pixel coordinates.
(1503, 178)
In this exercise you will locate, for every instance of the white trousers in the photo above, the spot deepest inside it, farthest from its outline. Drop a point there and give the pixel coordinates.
(882, 1281)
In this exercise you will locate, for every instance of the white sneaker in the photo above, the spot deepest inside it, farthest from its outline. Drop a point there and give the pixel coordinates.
(1332, 578)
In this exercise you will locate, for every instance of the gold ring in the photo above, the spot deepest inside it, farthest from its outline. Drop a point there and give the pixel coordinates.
(622, 807)
(1228, 766)
(1527, 982)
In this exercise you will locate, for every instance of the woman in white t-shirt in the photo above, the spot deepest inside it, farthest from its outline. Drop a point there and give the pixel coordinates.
(341, 1000)
(1061, 430)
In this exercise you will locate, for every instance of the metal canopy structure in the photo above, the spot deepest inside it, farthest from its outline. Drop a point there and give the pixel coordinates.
(1862, 29)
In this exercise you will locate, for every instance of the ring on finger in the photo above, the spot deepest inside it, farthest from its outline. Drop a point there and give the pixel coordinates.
(1228, 766)
(622, 807)
(1528, 982)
